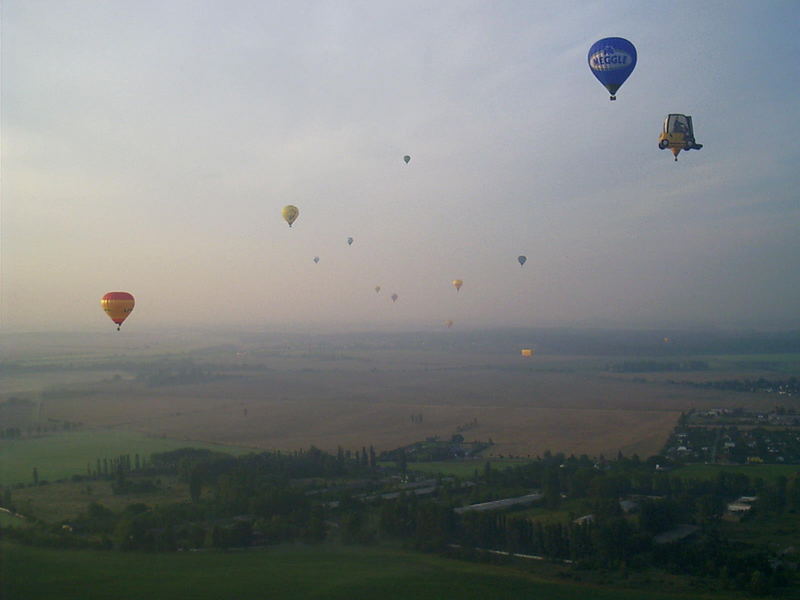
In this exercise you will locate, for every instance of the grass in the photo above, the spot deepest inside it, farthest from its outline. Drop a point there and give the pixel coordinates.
(58, 502)
(59, 456)
(330, 572)
(775, 531)
(8, 520)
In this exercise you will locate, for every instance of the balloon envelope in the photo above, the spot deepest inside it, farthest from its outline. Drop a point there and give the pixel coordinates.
(394, 297)
(448, 323)
(117, 305)
(316, 259)
(290, 214)
(377, 289)
(612, 60)
(457, 283)
(407, 158)
(522, 260)
(527, 352)
(349, 241)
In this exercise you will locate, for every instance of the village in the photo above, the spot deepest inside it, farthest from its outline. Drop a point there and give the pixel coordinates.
(736, 436)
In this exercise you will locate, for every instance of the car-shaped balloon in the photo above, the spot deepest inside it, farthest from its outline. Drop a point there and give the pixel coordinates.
(678, 134)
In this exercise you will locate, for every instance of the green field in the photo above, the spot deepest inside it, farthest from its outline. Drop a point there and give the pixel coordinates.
(9, 520)
(765, 472)
(62, 455)
(330, 572)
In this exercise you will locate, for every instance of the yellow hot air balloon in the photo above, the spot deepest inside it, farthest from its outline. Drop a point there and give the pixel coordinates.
(457, 283)
(290, 214)
(117, 305)
(526, 352)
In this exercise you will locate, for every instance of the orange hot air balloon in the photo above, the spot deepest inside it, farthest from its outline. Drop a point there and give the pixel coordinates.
(526, 352)
(457, 283)
(117, 305)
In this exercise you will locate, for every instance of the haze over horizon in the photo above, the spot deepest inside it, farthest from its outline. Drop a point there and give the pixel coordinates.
(150, 147)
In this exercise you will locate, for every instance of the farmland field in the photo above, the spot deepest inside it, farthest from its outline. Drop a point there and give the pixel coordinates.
(285, 572)
(291, 392)
(59, 456)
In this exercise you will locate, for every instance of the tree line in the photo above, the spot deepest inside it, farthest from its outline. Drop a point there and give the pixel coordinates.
(311, 495)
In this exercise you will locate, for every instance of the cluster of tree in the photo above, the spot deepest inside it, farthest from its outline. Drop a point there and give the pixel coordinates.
(789, 386)
(15, 433)
(182, 373)
(116, 466)
(273, 497)
(606, 537)
(434, 450)
(467, 426)
(646, 366)
(10, 433)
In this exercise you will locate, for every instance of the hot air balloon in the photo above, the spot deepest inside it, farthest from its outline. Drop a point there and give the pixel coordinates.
(117, 305)
(678, 134)
(457, 283)
(290, 214)
(612, 60)
(522, 259)
(394, 297)
(377, 289)
(316, 259)
(349, 241)
(526, 352)
(407, 158)
(448, 323)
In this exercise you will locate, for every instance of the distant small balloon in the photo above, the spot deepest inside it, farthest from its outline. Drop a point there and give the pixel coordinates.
(522, 260)
(377, 289)
(448, 323)
(349, 241)
(457, 283)
(316, 259)
(526, 352)
(290, 214)
(394, 297)
(407, 158)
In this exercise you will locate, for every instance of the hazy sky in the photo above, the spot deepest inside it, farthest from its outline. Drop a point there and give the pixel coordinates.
(150, 146)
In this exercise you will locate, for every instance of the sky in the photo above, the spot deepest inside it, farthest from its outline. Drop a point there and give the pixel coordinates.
(150, 146)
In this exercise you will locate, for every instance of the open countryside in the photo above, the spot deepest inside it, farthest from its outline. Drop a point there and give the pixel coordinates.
(449, 421)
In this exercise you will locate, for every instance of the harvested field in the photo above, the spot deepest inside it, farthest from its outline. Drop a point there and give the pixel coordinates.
(292, 393)
(522, 412)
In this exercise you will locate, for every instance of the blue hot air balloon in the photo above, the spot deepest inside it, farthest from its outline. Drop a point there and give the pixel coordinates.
(612, 60)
